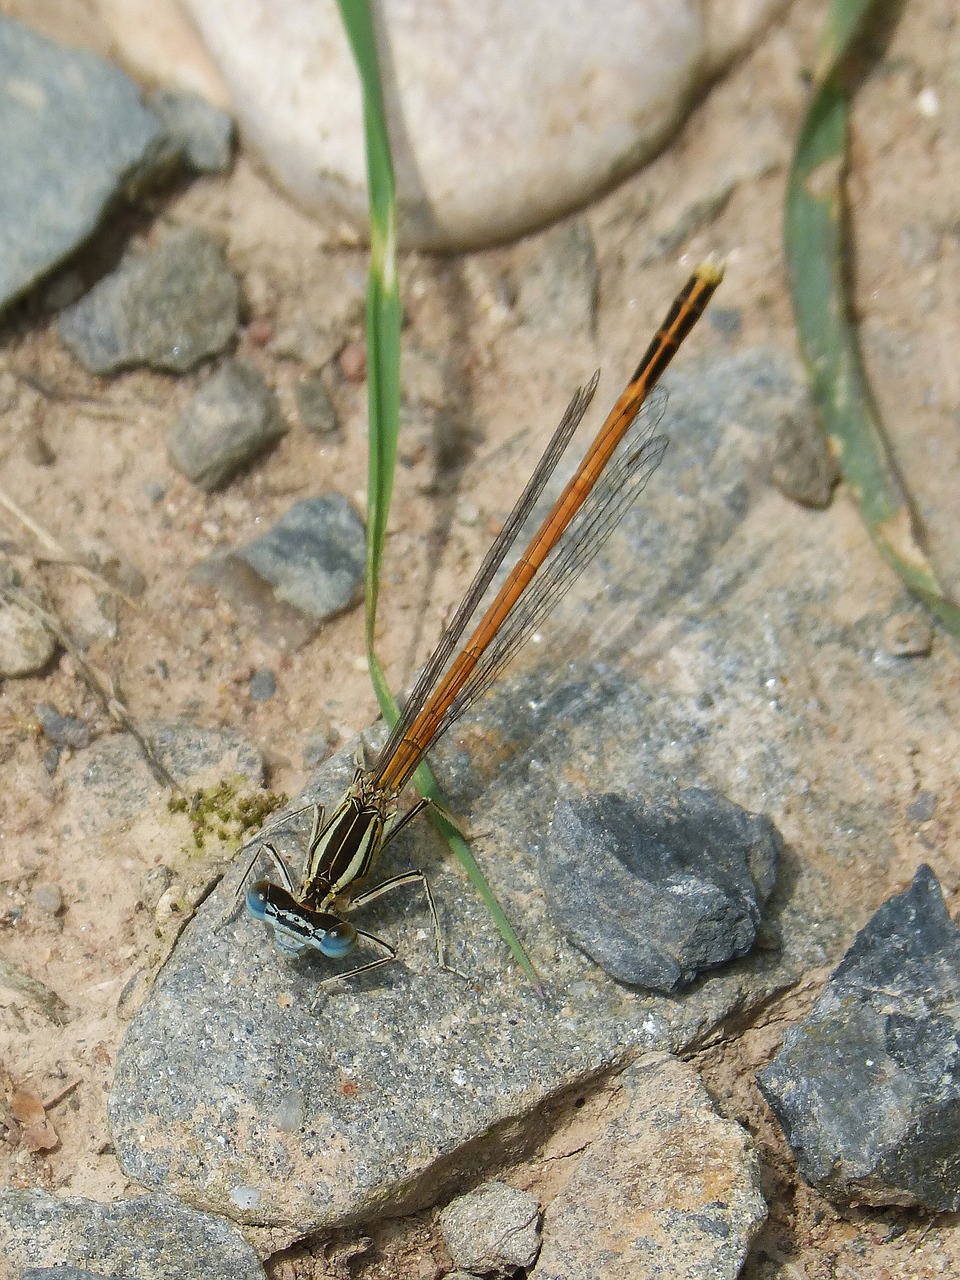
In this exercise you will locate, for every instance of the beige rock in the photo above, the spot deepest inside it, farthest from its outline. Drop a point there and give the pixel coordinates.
(503, 116)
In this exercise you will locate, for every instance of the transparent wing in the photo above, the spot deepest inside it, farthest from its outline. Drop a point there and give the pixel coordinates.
(634, 461)
(439, 659)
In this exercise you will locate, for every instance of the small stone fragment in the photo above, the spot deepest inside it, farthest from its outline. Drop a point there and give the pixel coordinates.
(907, 635)
(923, 807)
(263, 685)
(353, 362)
(666, 1188)
(47, 899)
(493, 1229)
(658, 891)
(62, 731)
(558, 293)
(726, 320)
(315, 407)
(203, 134)
(801, 465)
(867, 1089)
(169, 308)
(26, 646)
(313, 557)
(232, 418)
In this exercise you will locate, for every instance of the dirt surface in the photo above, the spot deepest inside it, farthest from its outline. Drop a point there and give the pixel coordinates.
(79, 455)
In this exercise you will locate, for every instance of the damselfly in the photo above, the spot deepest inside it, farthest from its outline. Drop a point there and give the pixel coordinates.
(343, 849)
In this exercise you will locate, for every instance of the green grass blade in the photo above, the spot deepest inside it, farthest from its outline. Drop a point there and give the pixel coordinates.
(384, 318)
(816, 250)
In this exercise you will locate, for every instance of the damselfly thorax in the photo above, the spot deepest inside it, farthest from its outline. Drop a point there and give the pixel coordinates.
(343, 848)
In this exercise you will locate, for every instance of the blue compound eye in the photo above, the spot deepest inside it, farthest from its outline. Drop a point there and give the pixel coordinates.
(338, 939)
(258, 900)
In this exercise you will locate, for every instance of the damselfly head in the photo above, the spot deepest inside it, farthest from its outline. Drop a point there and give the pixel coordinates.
(297, 929)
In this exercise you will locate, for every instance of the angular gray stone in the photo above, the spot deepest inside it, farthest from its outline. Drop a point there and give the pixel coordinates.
(150, 1237)
(316, 409)
(657, 891)
(493, 1229)
(313, 557)
(202, 133)
(168, 308)
(231, 419)
(666, 1188)
(75, 134)
(867, 1089)
(62, 731)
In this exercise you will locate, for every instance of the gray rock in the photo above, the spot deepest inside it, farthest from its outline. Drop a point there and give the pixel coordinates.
(263, 685)
(867, 1090)
(202, 133)
(168, 308)
(658, 891)
(313, 557)
(62, 731)
(558, 292)
(232, 418)
(111, 779)
(316, 409)
(667, 662)
(907, 635)
(802, 467)
(26, 646)
(725, 320)
(495, 1228)
(67, 1272)
(150, 1236)
(75, 135)
(667, 1188)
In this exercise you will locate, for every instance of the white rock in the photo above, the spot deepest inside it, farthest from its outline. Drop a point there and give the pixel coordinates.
(503, 115)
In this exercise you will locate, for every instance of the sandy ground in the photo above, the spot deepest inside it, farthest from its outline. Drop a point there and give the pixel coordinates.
(79, 453)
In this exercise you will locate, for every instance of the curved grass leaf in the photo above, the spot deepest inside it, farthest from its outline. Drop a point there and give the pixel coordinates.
(816, 249)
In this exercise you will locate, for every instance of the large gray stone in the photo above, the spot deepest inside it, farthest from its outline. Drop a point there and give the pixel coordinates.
(75, 134)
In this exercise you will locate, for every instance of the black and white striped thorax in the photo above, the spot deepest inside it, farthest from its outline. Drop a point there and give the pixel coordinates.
(345, 848)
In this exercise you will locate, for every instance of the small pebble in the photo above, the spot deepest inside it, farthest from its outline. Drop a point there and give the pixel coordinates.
(154, 491)
(907, 635)
(48, 899)
(495, 1228)
(923, 807)
(263, 685)
(313, 557)
(318, 744)
(203, 134)
(26, 646)
(314, 405)
(801, 465)
(75, 136)
(725, 320)
(353, 362)
(62, 731)
(168, 308)
(230, 420)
